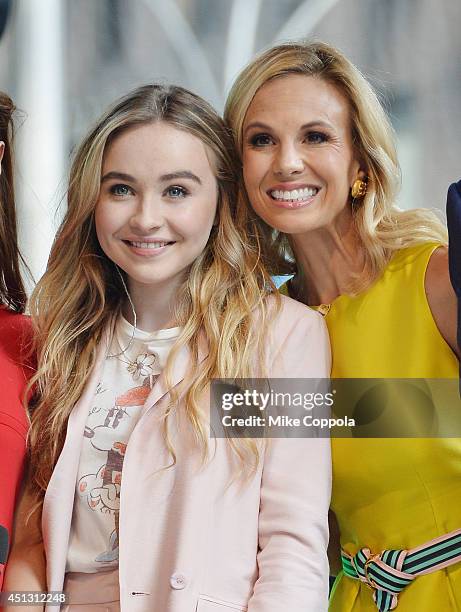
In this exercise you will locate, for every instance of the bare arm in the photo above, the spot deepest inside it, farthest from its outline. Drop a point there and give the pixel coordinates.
(26, 567)
(441, 297)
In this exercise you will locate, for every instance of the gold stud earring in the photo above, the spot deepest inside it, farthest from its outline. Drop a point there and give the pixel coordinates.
(359, 189)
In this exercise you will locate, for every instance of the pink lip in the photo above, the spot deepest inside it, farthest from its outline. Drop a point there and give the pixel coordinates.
(146, 239)
(292, 205)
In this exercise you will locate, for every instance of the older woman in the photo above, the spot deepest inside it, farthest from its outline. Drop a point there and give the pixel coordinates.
(320, 167)
(13, 328)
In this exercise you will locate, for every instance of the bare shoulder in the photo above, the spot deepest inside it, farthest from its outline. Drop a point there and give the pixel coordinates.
(441, 296)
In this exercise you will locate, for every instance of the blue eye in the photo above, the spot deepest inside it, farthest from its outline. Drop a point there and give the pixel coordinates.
(261, 140)
(316, 137)
(175, 191)
(121, 190)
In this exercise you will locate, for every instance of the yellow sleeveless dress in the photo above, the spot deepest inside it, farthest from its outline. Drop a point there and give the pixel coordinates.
(394, 493)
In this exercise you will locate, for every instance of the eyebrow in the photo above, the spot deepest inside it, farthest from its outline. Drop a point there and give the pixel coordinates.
(118, 175)
(305, 126)
(180, 174)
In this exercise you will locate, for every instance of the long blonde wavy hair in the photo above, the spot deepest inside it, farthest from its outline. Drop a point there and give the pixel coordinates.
(81, 294)
(382, 227)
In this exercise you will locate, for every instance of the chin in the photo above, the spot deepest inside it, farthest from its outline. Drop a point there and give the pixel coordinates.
(161, 278)
(289, 226)
(147, 279)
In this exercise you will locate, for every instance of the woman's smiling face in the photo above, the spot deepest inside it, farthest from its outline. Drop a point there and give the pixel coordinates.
(299, 161)
(157, 203)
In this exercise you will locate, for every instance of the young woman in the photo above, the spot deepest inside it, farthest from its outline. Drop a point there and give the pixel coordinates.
(154, 287)
(13, 338)
(319, 166)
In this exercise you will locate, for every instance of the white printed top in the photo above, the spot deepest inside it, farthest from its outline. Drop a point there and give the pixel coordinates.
(125, 384)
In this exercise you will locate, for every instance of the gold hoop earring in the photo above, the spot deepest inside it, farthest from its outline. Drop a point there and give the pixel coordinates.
(359, 189)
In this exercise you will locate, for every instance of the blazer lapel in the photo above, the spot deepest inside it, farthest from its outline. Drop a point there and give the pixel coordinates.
(59, 496)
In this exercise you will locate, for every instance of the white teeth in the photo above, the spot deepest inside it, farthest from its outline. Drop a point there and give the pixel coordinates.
(148, 245)
(294, 194)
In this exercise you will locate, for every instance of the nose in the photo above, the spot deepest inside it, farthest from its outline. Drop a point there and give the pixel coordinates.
(148, 215)
(288, 160)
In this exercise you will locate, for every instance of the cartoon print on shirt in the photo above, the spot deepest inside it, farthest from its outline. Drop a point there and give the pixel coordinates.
(102, 489)
(142, 365)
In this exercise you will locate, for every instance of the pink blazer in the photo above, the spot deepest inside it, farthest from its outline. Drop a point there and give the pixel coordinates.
(193, 540)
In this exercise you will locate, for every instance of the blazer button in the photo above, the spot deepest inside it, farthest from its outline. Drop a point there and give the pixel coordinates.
(178, 581)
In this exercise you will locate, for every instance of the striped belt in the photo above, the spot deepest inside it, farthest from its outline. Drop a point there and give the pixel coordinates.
(390, 571)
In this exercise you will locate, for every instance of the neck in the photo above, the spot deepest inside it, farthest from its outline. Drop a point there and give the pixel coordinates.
(328, 260)
(153, 304)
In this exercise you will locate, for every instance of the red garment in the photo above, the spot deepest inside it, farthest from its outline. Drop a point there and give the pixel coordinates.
(15, 336)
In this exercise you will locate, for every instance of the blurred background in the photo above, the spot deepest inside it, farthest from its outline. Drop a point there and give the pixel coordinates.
(64, 61)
